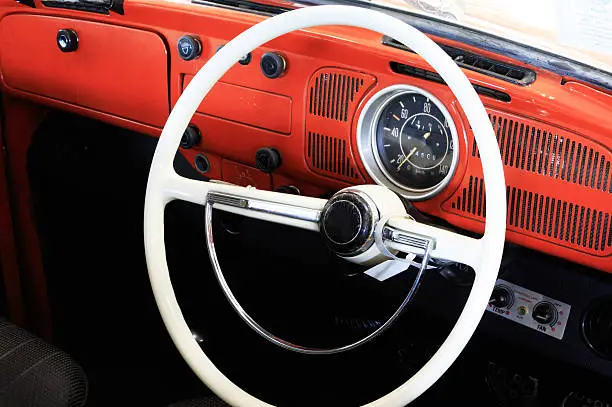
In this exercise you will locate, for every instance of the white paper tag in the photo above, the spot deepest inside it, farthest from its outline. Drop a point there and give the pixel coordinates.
(389, 268)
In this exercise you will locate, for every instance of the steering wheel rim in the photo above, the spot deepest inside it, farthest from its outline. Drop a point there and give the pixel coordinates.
(164, 185)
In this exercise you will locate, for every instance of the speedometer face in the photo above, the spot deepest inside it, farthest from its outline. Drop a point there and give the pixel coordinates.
(407, 141)
(414, 144)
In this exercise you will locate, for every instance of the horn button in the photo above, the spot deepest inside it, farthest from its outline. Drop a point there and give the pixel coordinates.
(347, 223)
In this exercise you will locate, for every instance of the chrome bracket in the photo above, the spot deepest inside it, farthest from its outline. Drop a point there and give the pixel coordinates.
(408, 242)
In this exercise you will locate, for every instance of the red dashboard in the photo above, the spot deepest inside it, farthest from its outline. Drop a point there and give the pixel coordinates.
(554, 134)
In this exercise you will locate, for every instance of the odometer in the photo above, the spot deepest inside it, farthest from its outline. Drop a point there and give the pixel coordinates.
(407, 140)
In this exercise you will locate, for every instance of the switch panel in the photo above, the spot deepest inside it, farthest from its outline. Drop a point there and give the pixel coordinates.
(530, 309)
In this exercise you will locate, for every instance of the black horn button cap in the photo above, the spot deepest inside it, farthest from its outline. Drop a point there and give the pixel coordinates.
(347, 223)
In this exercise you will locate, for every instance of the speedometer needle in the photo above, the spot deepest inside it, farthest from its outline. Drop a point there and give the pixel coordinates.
(414, 149)
(426, 135)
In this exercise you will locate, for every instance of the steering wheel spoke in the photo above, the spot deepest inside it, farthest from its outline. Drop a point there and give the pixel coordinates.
(410, 236)
(293, 210)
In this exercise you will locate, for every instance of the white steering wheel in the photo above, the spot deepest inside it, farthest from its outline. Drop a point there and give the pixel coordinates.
(389, 230)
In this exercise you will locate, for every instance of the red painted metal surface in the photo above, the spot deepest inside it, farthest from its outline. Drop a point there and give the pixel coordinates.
(333, 96)
(247, 106)
(116, 70)
(559, 185)
(570, 111)
(244, 175)
(21, 120)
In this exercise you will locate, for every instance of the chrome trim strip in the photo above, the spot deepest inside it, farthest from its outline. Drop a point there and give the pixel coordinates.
(229, 200)
(272, 208)
(288, 211)
(415, 243)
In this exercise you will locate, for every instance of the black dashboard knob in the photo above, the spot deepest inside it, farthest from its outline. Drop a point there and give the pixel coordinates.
(273, 65)
(191, 137)
(502, 297)
(189, 47)
(545, 313)
(267, 159)
(67, 40)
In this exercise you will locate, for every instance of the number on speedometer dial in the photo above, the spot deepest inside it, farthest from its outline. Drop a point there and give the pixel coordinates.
(414, 143)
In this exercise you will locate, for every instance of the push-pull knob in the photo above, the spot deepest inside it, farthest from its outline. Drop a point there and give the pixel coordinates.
(189, 47)
(267, 159)
(67, 40)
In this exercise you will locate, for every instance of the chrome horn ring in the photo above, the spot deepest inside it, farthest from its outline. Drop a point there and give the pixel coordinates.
(365, 237)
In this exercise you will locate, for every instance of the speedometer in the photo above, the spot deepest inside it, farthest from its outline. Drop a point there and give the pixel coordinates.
(407, 140)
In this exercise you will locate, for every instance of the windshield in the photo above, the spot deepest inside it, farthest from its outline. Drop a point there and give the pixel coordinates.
(577, 29)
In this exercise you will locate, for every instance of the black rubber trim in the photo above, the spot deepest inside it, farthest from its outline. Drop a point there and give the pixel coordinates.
(434, 77)
(517, 75)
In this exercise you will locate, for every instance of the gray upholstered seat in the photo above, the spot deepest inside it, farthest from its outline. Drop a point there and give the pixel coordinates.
(34, 373)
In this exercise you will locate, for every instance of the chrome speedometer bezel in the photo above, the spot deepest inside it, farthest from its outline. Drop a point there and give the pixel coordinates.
(366, 142)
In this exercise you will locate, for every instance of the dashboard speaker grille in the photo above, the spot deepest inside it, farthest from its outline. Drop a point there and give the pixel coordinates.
(331, 94)
(330, 154)
(572, 210)
(545, 152)
(543, 215)
(332, 97)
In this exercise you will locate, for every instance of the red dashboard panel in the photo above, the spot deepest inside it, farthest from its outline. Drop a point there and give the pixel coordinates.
(558, 185)
(553, 206)
(333, 97)
(105, 72)
(247, 106)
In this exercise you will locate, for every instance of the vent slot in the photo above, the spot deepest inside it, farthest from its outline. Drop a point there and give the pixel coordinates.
(332, 93)
(479, 63)
(332, 96)
(546, 153)
(543, 215)
(434, 77)
(331, 155)
(93, 6)
(29, 3)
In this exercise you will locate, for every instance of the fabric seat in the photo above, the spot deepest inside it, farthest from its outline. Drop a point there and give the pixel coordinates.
(34, 373)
